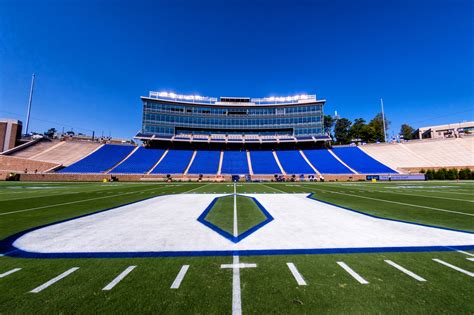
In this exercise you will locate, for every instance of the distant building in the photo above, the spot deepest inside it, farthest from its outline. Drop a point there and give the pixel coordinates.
(455, 130)
(10, 133)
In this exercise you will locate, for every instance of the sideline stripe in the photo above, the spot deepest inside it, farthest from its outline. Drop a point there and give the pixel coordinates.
(398, 203)
(236, 228)
(465, 253)
(471, 258)
(3, 275)
(298, 277)
(54, 280)
(77, 201)
(352, 272)
(405, 271)
(236, 295)
(180, 277)
(119, 278)
(471, 274)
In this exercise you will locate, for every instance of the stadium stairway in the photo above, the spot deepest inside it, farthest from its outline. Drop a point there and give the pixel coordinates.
(359, 161)
(175, 162)
(325, 162)
(293, 163)
(263, 162)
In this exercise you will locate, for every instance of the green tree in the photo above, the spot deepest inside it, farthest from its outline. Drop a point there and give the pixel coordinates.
(356, 128)
(50, 133)
(341, 130)
(368, 134)
(328, 124)
(407, 132)
(377, 124)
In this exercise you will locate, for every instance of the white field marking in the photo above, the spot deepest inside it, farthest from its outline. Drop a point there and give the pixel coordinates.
(74, 202)
(471, 274)
(54, 280)
(275, 188)
(240, 265)
(180, 277)
(470, 258)
(298, 277)
(188, 191)
(405, 271)
(236, 295)
(119, 278)
(3, 275)
(461, 251)
(236, 229)
(352, 273)
(400, 203)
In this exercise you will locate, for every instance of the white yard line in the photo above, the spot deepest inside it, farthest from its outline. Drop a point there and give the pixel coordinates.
(279, 190)
(54, 280)
(236, 295)
(396, 202)
(180, 277)
(461, 251)
(470, 258)
(3, 275)
(354, 274)
(405, 271)
(471, 274)
(187, 191)
(77, 201)
(298, 277)
(119, 278)
(236, 229)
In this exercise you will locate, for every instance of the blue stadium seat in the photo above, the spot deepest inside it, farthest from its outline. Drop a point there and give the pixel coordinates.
(263, 162)
(360, 161)
(140, 162)
(325, 162)
(101, 160)
(293, 163)
(205, 162)
(175, 162)
(235, 162)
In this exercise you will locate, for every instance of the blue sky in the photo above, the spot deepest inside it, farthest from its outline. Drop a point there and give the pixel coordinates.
(94, 59)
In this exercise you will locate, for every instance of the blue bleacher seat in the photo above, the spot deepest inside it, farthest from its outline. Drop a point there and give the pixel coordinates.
(101, 160)
(263, 162)
(140, 162)
(205, 162)
(235, 162)
(293, 163)
(325, 162)
(175, 162)
(360, 161)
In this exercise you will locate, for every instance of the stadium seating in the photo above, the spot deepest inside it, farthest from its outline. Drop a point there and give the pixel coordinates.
(66, 152)
(293, 163)
(34, 149)
(101, 160)
(360, 161)
(205, 162)
(263, 162)
(325, 162)
(140, 162)
(235, 162)
(175, 162)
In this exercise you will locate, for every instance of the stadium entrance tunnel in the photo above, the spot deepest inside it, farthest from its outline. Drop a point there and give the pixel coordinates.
(235, 216)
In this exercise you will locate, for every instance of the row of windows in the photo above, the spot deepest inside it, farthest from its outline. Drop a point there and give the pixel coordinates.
(192, 110)
(169, 131)
(224, 122)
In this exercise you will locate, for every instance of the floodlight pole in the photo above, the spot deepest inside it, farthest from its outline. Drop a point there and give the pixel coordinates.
(383, 121)
(29, 103)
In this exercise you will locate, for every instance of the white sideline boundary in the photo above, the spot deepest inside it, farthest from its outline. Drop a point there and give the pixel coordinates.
(54, 280)
(354, 274)
(395, 202)
(470, 258)
(298, 277)
(405, 271)
(119, 278)
(3, 275)
(471, 274)
(179, 278)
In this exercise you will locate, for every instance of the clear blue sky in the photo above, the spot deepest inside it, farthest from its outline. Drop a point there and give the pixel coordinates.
(94, 59)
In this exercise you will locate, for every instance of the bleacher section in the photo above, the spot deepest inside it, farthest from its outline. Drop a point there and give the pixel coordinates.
(101, 160)
(175, 162)
(293, 163)
(34, 149)
(205, 162)
(66, 152)
(235, 162)
(325, 162)
(140, 162)
(263, 162)
(360, 161)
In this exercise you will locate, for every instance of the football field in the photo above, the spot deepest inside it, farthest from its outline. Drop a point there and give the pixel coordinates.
(348, 247)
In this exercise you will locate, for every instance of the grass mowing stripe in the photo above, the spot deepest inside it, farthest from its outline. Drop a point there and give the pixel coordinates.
(399, 203)
(298, 277)
(404, 270)
(3, 275)
(471, 274)
(54, 280)
(119, 278)
(354, 274)
(179, 278)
